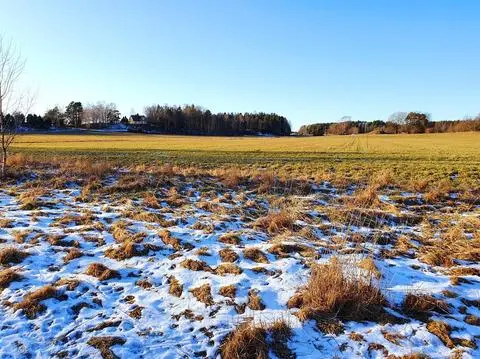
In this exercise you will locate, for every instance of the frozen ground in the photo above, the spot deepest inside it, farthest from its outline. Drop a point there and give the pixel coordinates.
(140, 306)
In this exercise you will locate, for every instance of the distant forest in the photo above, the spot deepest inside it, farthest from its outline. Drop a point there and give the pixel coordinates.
(195, 120)
(188, 120)
(399, 122)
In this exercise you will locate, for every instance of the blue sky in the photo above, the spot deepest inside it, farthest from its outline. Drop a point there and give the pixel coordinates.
(312, 61)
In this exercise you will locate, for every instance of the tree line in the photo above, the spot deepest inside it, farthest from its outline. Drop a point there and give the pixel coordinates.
(188, 119)
(398, 122)
(194, 120)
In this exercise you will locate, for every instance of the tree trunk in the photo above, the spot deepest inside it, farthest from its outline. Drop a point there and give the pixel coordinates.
(4, 162)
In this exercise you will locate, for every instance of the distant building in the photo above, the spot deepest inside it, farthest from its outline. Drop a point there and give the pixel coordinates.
(137, 120)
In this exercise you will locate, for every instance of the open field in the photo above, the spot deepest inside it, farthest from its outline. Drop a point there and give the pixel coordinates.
(426, 156)
(200, 247)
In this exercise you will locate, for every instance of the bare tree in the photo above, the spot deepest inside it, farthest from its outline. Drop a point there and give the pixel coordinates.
(11, 67)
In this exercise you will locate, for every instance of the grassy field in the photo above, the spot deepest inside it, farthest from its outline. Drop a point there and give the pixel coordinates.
(352, 157)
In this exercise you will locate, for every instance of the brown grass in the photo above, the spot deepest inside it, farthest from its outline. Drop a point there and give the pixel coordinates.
(442, 331)
(203, 294)
(254, 341)
(11, 255)
(150, 200)
(472, 320)
(255, 301)
(101, 271)
(228, 268)
(276, 222)
(247, 341)
(284, 250)
(176, 244)
(255, 254)
(368, 264)
(330, 292)
(125, 251)
(103, 344)
(72, 254)
(31, 305)
(196, 265)
(453, 245)
(228, 255)
(175, 287)
(230, 238)
(417, 305)
(229, 291)
(8, 276)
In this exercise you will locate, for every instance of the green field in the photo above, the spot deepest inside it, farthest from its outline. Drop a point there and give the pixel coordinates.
(433, 156)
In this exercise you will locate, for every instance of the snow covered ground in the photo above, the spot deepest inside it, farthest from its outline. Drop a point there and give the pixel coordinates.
(150, 307)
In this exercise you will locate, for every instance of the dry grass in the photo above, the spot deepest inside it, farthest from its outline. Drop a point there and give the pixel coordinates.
(472, 320)
(8, 276)
(255, 341)
(230, 238)
(419, 305)
(255, 301)
(331, 292)
(442, 331)
(151, 201)
(453, 245)
(229, 291)
(125, 251)
(196, 265)
(276, 222)
(72, 254)
(247, 341)
(103, 344)
(284, 250)
(203, 294)
(255, 254)
(175, 287)
(228, 268)
(176, 244)
(101, 272)
(31, 305)
(11, 255)
(228, 255)
(281, 333)
(29, 200)
(368, 264)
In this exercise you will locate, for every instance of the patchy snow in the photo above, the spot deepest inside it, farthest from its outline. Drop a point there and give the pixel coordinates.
(165, 329)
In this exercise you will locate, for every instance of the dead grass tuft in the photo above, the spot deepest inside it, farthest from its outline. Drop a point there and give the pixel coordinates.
(230, 238)
(442, 331)
(245, 342)
(256, 255)
(203, 294)
(125, 251)
(72, 254)
(331, 292)
(419, 305)
(228, 268)
(196, 265)
(101, 272)
(31, 305)
(175, 287)
(228, 255)
(368, 264)
(11, 255)
(229, 291)
(255, 301)
(276, 222)
(284, 250)
(103, 344)
(453, 245)
(8, 276)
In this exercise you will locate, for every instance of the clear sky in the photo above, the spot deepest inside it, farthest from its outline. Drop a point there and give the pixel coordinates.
(311, 61)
